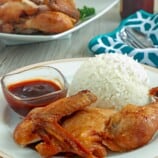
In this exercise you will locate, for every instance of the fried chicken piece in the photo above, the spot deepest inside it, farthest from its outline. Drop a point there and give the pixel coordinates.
(67, 126)
(132, 127)
(11, 11)
(86, 125)
(7, 28)
(48, 22)
(66, 6)
(127, 129)
(55, 140)
(28, 130)
(34, 16)
(154, 93)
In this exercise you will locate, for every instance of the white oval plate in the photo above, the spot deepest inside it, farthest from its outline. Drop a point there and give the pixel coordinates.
(101, 7)
(9, 119)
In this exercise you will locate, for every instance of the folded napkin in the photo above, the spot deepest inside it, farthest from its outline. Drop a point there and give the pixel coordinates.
(111, 43)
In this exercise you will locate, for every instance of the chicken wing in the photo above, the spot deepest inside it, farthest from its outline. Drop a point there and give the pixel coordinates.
(132, 127)
(69, 126)
(55, 140)
(86, 125)
(41, 123)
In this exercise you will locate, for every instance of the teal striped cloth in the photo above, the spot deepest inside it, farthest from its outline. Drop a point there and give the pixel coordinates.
(111, 42)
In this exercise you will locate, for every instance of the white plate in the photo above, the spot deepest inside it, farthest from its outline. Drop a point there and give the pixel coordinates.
(101, 7)
(8, 119)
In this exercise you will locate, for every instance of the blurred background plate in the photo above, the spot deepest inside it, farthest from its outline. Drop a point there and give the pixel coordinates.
(101, 7)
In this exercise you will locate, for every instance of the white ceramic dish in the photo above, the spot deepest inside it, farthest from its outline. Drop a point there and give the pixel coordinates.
(9, 119)
(101, 7)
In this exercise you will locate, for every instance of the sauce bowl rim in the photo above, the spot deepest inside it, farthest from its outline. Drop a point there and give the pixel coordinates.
(64, 89)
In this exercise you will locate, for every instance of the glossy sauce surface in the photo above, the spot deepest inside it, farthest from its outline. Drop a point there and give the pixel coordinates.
(31, 94)
(33, 88)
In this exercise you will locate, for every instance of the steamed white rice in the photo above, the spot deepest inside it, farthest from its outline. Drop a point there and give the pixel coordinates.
(116, 79)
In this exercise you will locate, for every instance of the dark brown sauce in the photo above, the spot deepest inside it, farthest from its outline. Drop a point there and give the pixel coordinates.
(33, 88)
(27, 91)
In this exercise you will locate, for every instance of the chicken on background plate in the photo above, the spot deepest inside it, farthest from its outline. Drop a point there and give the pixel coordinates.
(37, 16)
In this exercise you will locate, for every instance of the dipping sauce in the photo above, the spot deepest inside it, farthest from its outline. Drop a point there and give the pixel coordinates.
(33, 88)
(26, 95)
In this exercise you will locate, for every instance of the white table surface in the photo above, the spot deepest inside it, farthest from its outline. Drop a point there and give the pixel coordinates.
(14, 57)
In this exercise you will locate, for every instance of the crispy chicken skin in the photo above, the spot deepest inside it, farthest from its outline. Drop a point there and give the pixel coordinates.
(47, 22)
(37, 16)
(86, 125)
(42, 123)
(69, 126)
(66, 6)
(132, 127)
(12, 10)
(154, 93)
(127, 129)
(55, 139)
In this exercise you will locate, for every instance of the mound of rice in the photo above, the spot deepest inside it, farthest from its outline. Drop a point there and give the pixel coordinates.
(116, 79)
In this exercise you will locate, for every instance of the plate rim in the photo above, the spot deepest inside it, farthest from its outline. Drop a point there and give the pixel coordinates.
(4, 155)
(58, 61)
